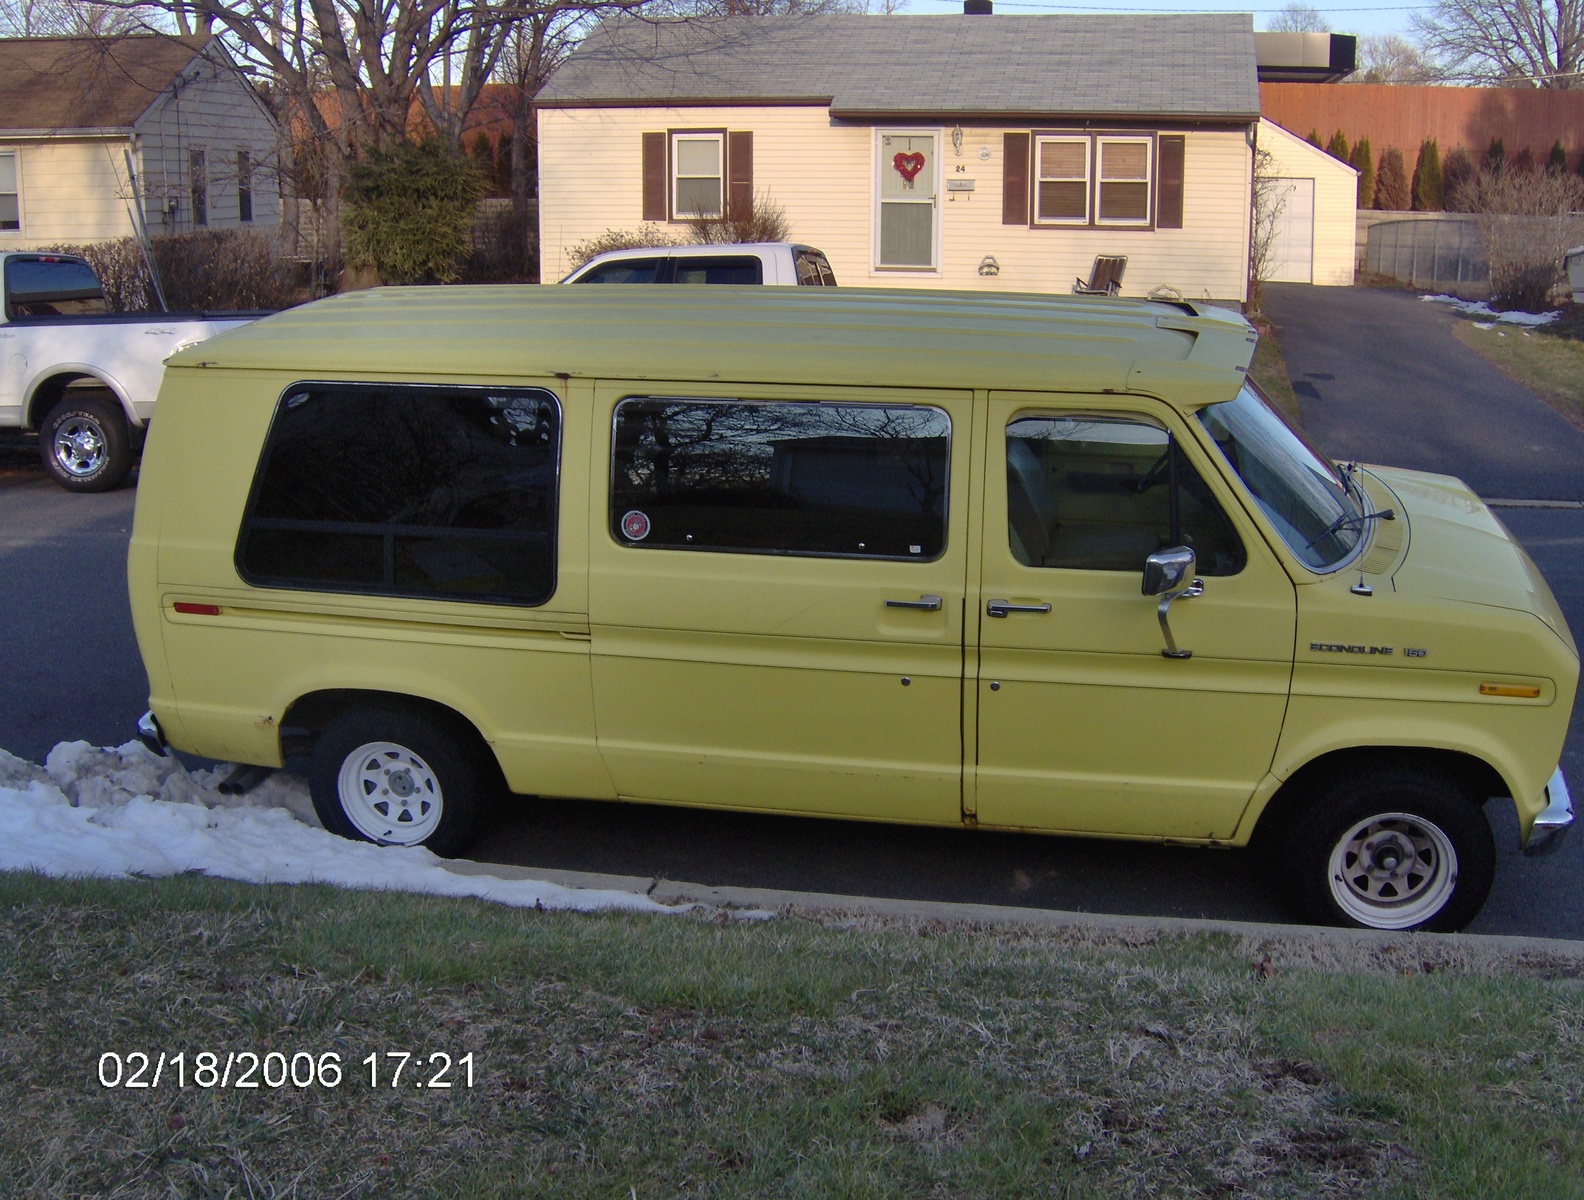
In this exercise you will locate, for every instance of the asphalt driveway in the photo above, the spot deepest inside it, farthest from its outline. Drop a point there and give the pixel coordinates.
(1380, 378)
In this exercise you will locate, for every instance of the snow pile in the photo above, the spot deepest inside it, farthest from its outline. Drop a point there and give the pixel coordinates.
(127, 811)
(1478, 308)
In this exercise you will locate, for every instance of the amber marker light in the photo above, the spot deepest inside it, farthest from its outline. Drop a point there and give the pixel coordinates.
(1518, 691)
(213, 610)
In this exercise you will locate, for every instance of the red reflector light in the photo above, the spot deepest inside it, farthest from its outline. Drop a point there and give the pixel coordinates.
(198, 610)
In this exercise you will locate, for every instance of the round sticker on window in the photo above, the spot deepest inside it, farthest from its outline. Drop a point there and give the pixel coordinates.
(635, 526)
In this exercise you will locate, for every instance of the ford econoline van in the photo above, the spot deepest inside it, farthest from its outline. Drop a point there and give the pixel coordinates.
(1010, 562)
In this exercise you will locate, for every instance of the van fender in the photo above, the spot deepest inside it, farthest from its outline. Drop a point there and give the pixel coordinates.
(1484, 753)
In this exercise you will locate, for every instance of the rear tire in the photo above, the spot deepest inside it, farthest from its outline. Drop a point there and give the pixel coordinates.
(398, 777)
(85, 444)
(1391, 848)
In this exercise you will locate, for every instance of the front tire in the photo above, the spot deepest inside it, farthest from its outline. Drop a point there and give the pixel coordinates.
(1391, 848)
(397, 777)
(85, 444)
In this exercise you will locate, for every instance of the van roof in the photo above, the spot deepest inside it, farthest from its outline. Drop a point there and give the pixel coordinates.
(1188, 354)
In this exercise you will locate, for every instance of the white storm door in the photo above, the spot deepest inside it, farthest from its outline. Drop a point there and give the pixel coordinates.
(1292, 251)
(905, 232)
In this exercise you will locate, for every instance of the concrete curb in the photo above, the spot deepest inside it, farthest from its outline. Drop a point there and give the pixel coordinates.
(672, 892)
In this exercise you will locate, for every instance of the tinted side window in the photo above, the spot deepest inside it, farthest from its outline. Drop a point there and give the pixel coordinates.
(38, 287)
(407, 491)
(1104, 493)
(812, 479)
(739, 268)
(628, 270)
(813, 270)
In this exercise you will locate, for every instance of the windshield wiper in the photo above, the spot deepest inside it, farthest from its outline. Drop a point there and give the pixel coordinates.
(1351, 521)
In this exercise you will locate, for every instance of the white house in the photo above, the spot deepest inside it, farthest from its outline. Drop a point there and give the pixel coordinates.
(202, 142)
(966, 151)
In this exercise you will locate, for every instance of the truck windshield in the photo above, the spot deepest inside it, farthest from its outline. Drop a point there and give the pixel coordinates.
(1309, 502)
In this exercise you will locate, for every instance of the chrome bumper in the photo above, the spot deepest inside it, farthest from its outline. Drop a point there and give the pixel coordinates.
(1551, 826)
(152, 736)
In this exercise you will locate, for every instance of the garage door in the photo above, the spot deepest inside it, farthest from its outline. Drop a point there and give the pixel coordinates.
(1292, 253)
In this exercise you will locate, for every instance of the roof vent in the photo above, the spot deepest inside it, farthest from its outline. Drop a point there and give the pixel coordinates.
(976, 8)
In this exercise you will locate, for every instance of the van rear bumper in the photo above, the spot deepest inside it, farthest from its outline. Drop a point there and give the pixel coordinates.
(1551, 826)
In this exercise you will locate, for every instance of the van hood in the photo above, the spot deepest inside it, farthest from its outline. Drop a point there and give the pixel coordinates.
(1459, 550)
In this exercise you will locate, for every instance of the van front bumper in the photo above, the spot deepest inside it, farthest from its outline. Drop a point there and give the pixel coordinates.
(150, 733)
(1551, 826)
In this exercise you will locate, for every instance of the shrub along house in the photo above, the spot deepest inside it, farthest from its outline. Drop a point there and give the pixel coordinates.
(71, 109)
(972, 151)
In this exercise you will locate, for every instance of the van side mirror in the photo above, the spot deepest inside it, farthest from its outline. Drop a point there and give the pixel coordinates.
(1169, 570)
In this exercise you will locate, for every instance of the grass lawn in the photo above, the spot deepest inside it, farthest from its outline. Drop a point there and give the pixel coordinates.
(1269, 371)
(702, 1056)
(1549, 360)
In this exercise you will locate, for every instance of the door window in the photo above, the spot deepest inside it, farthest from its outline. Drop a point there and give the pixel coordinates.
(624, 270)
(1103, 493)
(706, 268)
(907, 200)
(852, 480)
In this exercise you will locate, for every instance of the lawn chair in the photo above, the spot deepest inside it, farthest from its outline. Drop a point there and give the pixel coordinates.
(1106, 277)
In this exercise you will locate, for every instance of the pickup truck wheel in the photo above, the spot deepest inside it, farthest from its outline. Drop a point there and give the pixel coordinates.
(397, 778)
(85, 443)
(1393, 848)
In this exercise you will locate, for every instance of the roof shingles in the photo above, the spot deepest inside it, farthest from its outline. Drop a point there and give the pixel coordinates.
(87, 83)
(1178, 65)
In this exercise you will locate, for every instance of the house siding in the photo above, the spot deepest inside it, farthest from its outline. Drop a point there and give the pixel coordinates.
(822, 174)
(70, 191)
(209, 110)
(1335, 200)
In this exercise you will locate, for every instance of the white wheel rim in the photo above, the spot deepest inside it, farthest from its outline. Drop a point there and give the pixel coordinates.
(389, 794)
(1393, 871)
(80, 447)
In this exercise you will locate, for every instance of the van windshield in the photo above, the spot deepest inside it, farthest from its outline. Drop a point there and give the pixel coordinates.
(1311, 504)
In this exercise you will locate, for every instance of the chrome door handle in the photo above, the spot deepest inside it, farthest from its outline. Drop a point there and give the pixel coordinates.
(1000, 608)
(927, 603)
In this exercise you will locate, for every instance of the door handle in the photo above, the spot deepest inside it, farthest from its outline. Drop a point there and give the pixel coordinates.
(927, 603)
(1000, 608)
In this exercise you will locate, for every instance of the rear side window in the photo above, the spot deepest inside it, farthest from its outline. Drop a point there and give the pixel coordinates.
(736, 268)
(627, 270)
(813, 269)
(445, 493)
(51, 287)
(853, 480)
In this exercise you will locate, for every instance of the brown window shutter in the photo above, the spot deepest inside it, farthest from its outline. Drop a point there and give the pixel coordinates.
(1015, 179)
(739, 175)
(1169, 176)
(654, 177)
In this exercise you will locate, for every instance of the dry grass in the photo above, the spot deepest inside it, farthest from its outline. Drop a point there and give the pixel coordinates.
(1269, 371)
(700, 1056)
(1548, 360)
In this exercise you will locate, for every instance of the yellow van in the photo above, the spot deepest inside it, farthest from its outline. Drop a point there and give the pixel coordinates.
(1015, 562)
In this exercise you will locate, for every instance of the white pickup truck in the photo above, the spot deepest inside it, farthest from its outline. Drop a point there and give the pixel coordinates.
(82, 377)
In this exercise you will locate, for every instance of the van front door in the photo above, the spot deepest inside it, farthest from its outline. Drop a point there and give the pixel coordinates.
(1084, 726)
(776, 595)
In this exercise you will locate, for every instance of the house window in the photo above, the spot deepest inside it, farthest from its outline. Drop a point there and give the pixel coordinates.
(244, 164)
(696, 161)
(1061, 195)
(1124, 181)
(10, 194)
(906, 190)
(198, 185)
(1093, 179)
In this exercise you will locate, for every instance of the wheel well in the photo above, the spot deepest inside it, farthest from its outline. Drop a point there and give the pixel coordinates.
(308, 716)
(1482, 779)
(48, 393)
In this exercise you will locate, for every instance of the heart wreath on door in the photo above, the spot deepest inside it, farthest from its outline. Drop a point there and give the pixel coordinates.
(908, 165)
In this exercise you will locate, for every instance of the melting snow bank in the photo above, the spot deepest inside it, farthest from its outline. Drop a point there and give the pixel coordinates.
(1478, 308)
(127, 811)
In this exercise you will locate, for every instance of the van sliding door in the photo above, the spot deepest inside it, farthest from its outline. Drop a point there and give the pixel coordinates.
(776, 601)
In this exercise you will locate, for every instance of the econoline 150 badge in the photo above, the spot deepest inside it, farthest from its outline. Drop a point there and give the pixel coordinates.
(1347, 648)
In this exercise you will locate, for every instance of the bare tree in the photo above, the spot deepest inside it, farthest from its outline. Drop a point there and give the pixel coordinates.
(1298, 18)
(1392, 58)
(63, 18)
(1512, 42)
(1269, 202)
